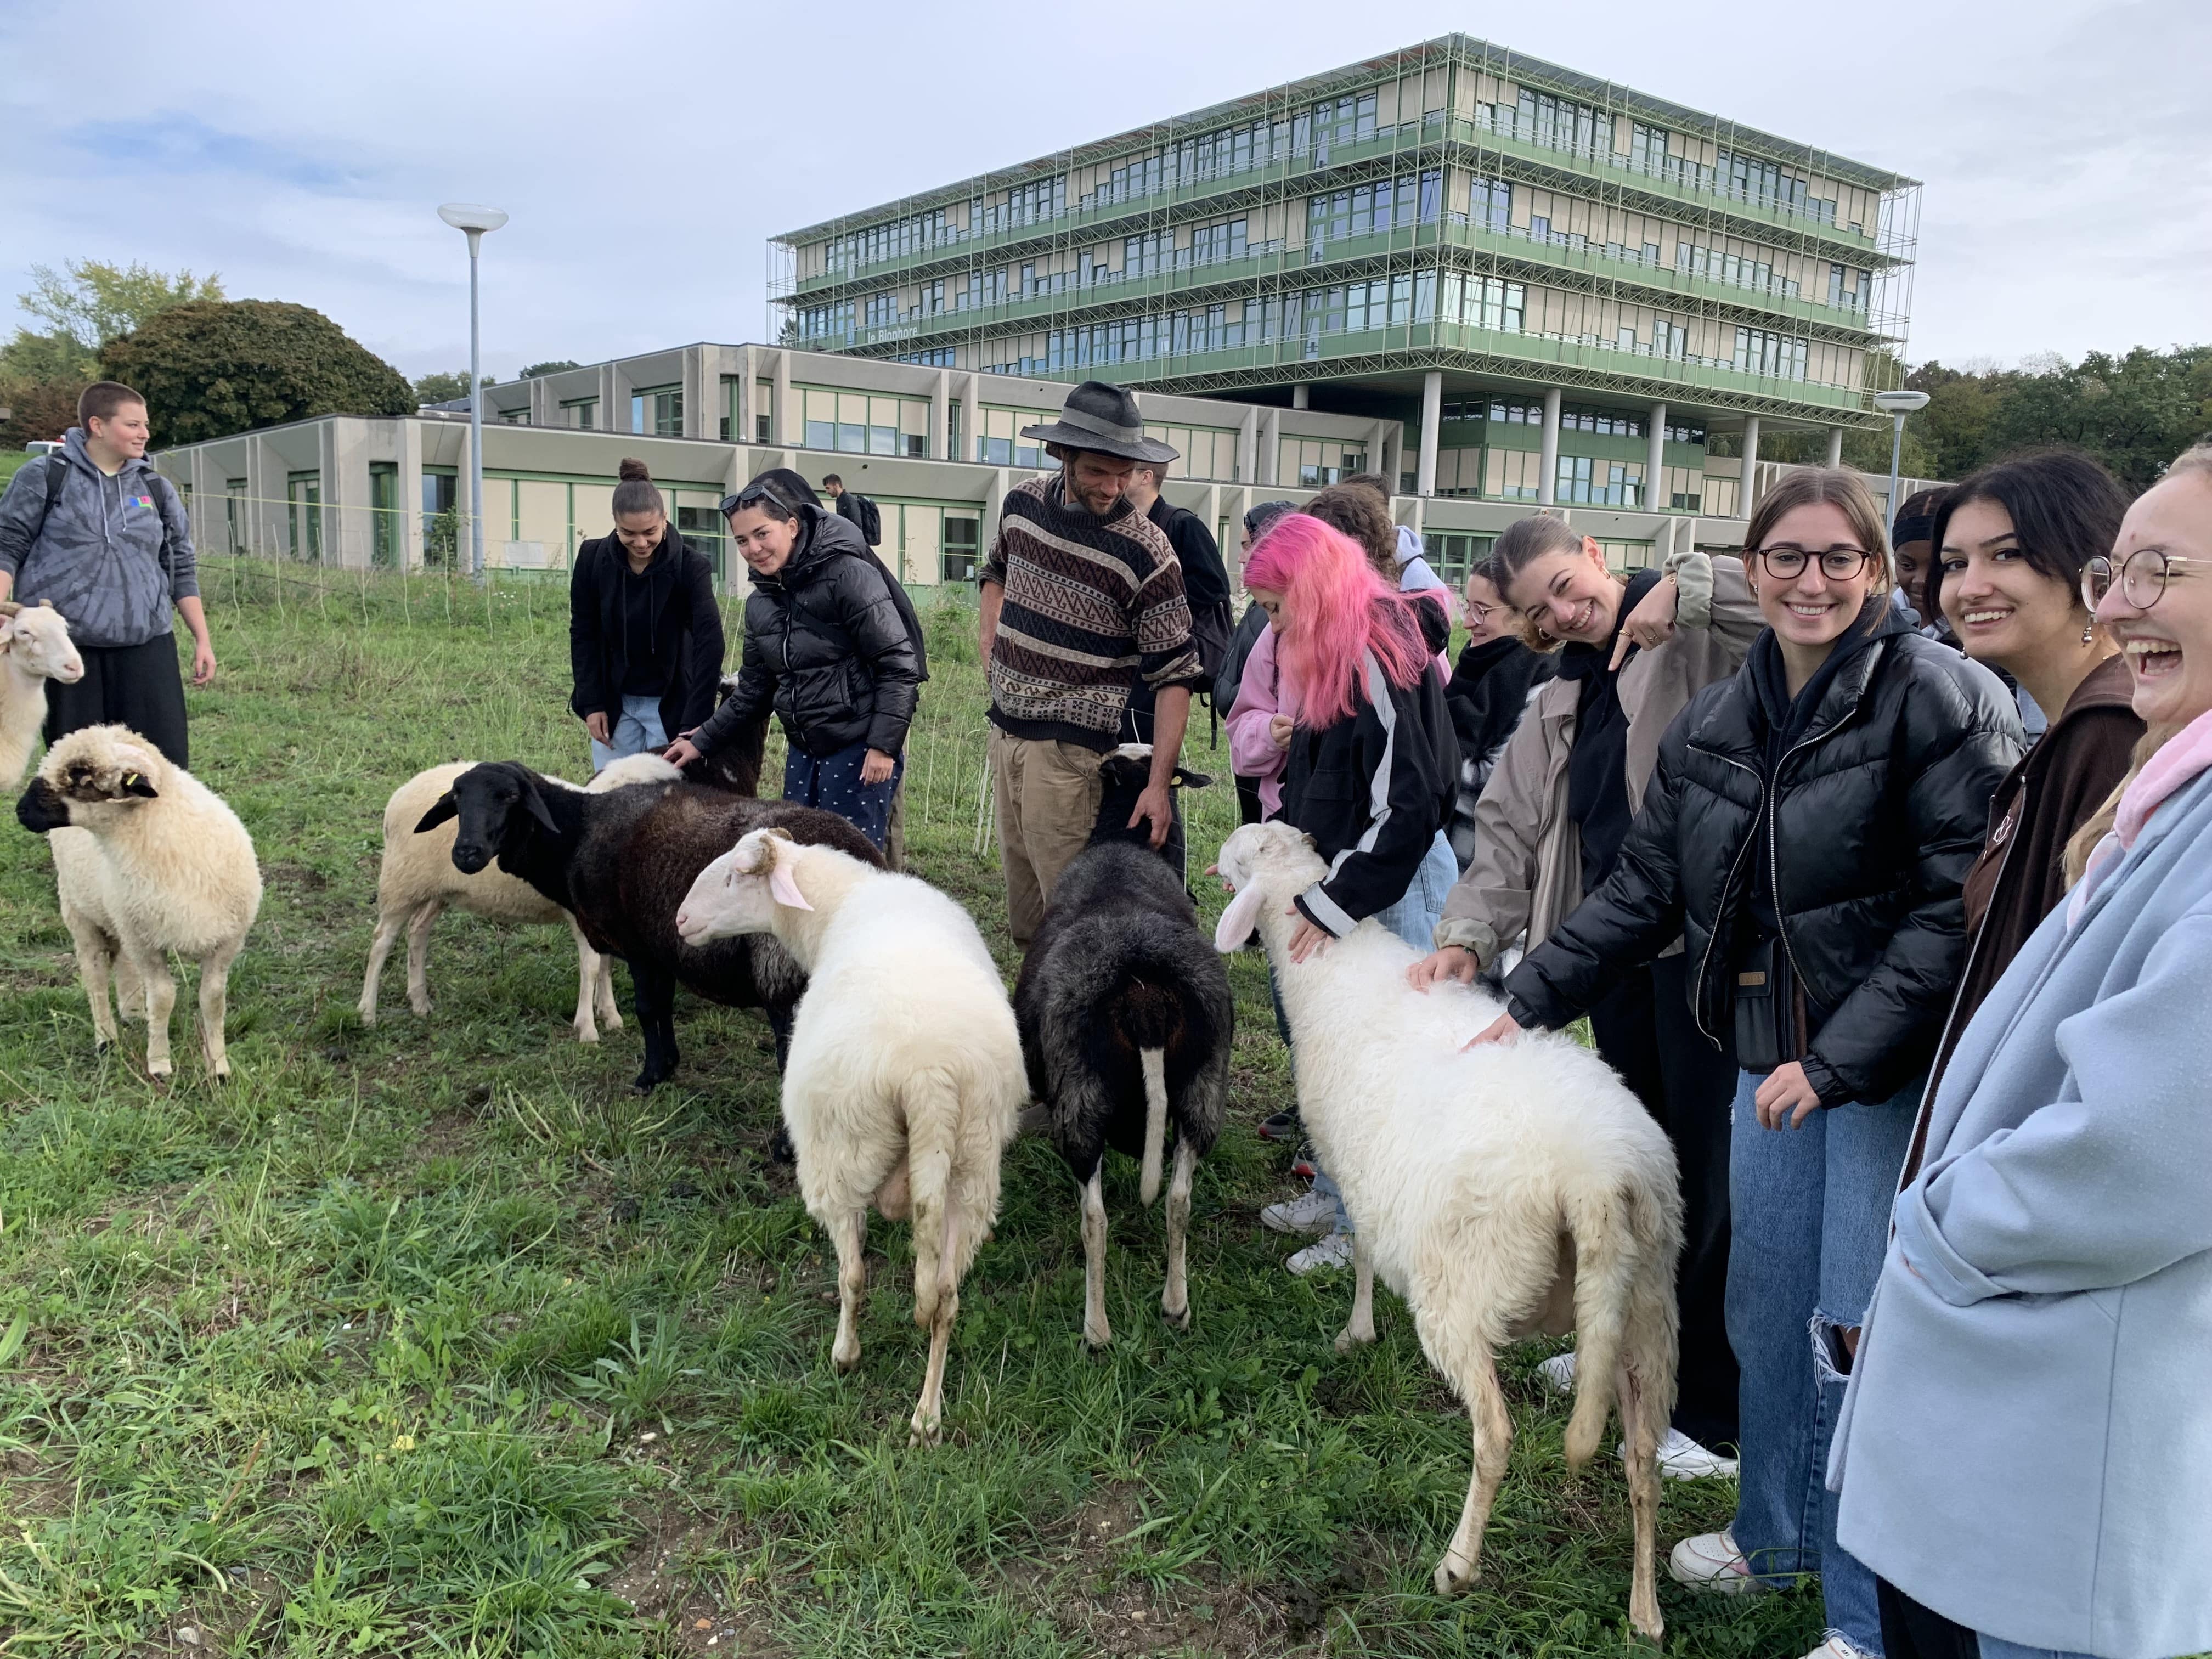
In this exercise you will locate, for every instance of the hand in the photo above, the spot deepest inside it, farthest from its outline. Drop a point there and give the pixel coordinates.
(1785, 1092)
(1155, 804)
(1309, 938)
(680, 753)
(1451, 963)
(595, 723)
(877, 767)
(1279, 727)
(1504, 1029)
(1652, 623)
(203, 662)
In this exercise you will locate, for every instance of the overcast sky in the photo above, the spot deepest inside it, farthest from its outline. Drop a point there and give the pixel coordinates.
(647, 151)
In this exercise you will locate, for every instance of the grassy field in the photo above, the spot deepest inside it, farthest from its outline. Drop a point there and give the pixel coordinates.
(434, 1339)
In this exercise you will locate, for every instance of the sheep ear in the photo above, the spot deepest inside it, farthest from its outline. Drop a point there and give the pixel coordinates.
(1184, 779)
(783, 889)
(539, 809)
(750, 854)
(136, 783)
(1238, 920)
(778, 832)
(441, 809)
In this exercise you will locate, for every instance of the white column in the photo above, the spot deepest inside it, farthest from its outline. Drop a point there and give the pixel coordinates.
(1745, 498)
(1835, 446)
(1300, 396)
(1654, 461)
(780, 432)
(1432, 415)
(1248, 445)
(940, 415)
(1271, 449)
(1548, 480)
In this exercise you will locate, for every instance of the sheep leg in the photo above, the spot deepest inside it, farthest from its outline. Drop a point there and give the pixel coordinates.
(1175, 1300)
(1096, 1331)
(603, 993)
(929, 1412)
(418, 954)
(95, 954)
(849, 1230)
(129, 990)
(1360, 1328)
(1493, 1440)
(655, 987)
(1643, 1504)
(380, 948)
(215, 1005)
(587, 983)
(161, 1003)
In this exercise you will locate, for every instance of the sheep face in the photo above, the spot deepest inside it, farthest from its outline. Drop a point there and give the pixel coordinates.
(1255, 859)
(495, 804)
(740, 891)
(1129, 768)
(35, 638)
(89, 786)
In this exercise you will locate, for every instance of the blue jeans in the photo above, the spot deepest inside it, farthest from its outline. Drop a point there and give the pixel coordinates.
(1810, 1209)
(1994, 1647)
(832, 783)
(1413, 919)
(635, 730)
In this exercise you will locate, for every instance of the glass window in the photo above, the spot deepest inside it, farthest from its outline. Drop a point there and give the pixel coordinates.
(384, 521)
(303, 513)
(960, 549)
(658, 410)
(235, 514)
(582, 413)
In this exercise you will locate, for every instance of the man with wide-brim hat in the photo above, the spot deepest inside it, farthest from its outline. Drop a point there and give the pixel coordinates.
(1083, 599)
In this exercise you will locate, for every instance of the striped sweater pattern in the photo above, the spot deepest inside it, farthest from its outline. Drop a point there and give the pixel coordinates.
(1091, 604)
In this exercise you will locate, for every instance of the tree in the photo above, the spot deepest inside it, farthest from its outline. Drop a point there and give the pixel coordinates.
(94, 302)
(210, 368)
(2134, 413)
(554, 367)
(445, 388)
(38, 410)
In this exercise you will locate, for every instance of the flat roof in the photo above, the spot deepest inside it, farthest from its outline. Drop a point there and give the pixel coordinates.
(1502, 59)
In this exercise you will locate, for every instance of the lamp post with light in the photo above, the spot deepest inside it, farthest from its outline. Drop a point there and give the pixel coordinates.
(1897, 405)
(472, 221)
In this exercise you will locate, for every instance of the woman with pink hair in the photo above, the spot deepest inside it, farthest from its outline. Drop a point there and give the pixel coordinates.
(1369, 760)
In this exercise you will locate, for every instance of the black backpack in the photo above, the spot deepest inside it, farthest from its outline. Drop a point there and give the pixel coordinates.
(870, 519)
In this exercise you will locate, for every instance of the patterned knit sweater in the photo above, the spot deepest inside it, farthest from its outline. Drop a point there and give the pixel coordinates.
(1091, 604)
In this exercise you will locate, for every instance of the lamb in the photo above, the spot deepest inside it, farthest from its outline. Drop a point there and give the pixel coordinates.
(905, 1077)
(1498, 1191)
(147, 860)
(1126, 1019)
(34, 648)
(416, 881)
(621, 864)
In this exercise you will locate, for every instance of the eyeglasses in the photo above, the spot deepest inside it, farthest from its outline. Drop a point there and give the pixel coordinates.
(2142, 577)
(1838, 564)
(1478, 613)
(752, 495)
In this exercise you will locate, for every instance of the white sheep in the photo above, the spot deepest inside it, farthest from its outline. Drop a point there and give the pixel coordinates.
(147, 860)
(1500, 1191)
(34, 648)
(905, 1077)
(417, 881)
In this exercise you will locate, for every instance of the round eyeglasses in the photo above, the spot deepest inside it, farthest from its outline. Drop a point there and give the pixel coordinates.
(2141, 576)
(1785, 562)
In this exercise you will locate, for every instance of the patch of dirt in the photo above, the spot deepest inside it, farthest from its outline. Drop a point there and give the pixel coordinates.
(654, 1580)
(35, 1487)
(213, 1623)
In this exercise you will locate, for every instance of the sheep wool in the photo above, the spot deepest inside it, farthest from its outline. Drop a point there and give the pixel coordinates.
(34, 648)
(1500, 1191)
(905, 1077)
(147, 860)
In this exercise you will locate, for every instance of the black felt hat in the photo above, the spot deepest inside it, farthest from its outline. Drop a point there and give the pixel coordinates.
(1105, 418)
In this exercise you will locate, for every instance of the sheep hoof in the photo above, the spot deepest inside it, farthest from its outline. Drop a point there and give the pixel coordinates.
(1348, 1339)
(158, 1068)
(1180, 1318)
(368, 1016)
(587, 1035)
(1452, 1581)
(646, 1082)
(1099, 1336)
(612, 1022)
(926, 1431)
(220, 1074)
(421, 1009)
(845, 1358)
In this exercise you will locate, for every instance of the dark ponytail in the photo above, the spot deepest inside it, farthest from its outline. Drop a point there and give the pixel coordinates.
(635, 493)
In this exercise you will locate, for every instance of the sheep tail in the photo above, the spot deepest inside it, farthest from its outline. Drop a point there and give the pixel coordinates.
(931, 1099)
(1605, 1269)
(1155, 1064)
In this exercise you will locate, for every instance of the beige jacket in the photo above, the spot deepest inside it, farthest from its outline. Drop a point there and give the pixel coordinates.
(1527, 872)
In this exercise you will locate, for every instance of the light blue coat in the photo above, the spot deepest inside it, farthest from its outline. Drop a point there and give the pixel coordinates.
(2027, 1445)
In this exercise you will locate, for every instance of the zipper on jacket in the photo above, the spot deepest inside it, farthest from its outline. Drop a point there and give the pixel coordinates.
(1774, 842)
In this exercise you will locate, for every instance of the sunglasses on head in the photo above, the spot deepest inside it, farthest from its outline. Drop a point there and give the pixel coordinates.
(752, 495)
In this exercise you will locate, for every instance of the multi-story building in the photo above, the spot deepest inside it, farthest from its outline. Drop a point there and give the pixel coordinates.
(1555, 287)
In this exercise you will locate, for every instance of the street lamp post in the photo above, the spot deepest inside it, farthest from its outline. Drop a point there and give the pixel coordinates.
(1897, 405)
(473, 221)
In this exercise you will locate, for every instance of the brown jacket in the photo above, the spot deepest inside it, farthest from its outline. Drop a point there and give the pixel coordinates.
(1527, 871)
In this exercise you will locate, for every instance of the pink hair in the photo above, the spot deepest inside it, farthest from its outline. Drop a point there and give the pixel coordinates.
(1337, 611)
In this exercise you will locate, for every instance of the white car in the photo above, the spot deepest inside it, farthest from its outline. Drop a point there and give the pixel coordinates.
(43, 446)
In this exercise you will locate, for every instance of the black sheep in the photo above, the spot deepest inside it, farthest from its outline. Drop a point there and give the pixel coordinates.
(622, 863)
(1126, 1020)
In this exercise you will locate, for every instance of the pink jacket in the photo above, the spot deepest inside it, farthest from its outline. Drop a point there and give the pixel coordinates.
(1262, 694)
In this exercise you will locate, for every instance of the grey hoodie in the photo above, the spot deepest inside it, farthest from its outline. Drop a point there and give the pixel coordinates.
(114, 555)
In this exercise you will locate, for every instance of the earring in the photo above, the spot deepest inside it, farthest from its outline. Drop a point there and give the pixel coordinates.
(2088, 629)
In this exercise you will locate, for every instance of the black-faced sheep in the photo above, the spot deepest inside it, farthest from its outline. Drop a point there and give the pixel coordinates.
(621, 864)
(905, 1077)
(147, 860)
(1127, 1019)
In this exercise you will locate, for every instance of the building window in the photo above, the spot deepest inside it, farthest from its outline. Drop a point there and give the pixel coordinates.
(1517, 411)
(235, 514)
(441, 516)
(864, 423)
(704, 528)
(1647, 149)
(1366, 209)
(961, 549)
(303, 514)
(1212, 244)
(1769, 355)
(1341, 121)
(582, 413)
(1490, 205)
(1605, 422)
(657, 411)
(1316, 463)
(880, 311)
(998, 440)
(384, 525)
(1513, 475)
(1587, 479)
(830, 325)
(1490, 302)
(1685, 432)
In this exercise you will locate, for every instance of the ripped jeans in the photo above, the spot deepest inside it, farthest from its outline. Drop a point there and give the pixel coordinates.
(1810, 1209)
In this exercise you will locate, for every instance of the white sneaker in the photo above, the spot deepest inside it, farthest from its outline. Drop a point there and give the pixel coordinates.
(1310, 1213)
(1557, 1374)
(1838, 1647)
(1681, 1458)
(1333, 1251)
(1712, 1561)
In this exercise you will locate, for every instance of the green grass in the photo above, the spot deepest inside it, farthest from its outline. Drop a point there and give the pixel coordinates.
(434, 1339)
(11, 463)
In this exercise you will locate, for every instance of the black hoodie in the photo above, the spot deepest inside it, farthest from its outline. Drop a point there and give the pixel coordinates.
(679, 631)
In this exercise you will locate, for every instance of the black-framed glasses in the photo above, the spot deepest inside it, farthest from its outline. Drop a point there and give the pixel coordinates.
(2142, 577)
(1785, 561)
(753, 495)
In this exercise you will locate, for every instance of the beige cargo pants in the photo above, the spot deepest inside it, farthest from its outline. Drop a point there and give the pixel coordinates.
(1046, 795)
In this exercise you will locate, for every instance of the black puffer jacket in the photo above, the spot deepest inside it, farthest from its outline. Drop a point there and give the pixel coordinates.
(826, 647)
(1881, 807)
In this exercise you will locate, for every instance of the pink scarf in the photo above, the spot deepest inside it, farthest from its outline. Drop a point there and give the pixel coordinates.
(2179, 759)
